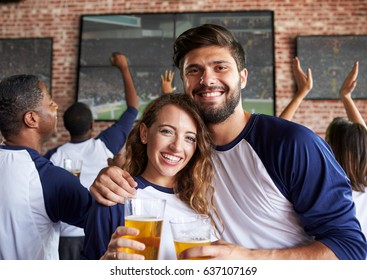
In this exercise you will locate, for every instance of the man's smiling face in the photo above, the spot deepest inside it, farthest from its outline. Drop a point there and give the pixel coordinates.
(211, 77)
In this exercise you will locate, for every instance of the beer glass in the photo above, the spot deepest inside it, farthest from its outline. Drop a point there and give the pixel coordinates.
(190, 231)
(74, 166)
(146, 215)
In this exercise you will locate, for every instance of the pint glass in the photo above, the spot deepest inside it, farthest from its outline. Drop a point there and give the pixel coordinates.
(190, 231)
(146, 215)
(74, 166)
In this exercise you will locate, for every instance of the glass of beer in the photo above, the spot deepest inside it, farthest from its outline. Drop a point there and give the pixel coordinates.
(74, 166)
(190, 231)
(146, 215)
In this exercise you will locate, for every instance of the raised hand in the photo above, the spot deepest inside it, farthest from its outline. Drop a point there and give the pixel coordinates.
(166, 82)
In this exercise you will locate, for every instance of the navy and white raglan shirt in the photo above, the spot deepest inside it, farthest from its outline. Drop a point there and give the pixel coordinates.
(360, 200)
(278, 185)
(103, 221)
(94, 152)
(35, 196)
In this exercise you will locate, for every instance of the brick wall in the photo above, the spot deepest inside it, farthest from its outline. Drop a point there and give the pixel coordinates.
(60, 20)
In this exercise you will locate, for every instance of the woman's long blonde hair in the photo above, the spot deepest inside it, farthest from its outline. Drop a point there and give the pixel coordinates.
(194, 181)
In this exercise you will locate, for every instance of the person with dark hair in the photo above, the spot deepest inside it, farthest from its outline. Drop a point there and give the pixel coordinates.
(347, 138)
(169, 154)
(278, 188)
(35, 194)
(94, 152)
(348, 141)
(78, 120)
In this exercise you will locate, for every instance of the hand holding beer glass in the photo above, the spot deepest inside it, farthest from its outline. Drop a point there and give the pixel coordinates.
(74, 166)
(146, 215)
(190, 231)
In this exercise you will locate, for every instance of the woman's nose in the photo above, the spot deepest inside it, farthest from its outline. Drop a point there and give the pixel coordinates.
(176, 145)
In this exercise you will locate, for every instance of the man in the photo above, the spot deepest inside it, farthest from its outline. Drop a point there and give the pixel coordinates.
(35, 194)
(279, 190)
(94, 152)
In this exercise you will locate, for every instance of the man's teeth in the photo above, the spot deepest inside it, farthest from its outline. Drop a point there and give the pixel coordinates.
(211, 94)
(171, 158)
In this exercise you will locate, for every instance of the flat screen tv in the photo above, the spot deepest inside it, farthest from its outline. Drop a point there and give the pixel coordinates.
(331, 58)
(27, 56)
(147, 41)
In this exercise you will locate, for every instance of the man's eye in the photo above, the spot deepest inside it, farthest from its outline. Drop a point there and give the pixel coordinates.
(192, 71)
(221, 68)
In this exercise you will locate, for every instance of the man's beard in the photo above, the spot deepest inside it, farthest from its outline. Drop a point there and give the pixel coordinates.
(217, 115)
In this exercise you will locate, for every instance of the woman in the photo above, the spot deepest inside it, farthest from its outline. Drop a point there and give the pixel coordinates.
(348, 141)
(168, 152)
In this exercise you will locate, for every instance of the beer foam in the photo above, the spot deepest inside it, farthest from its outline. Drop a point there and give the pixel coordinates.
(143, 218)
(190, 241)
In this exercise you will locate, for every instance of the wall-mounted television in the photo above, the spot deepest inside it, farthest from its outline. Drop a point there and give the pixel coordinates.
(147, 41)
(27, 56)
(331, 58)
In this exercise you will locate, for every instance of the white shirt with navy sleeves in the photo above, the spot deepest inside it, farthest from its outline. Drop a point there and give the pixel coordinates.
(278, 185)
(35, 196)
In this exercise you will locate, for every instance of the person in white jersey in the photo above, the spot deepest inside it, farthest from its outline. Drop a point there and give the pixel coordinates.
(168, 153)
(35, 194)
(94, 152)
(347, 137)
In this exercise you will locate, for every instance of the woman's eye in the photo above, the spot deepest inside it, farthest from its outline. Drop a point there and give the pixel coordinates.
(165, 131)
(191, 139)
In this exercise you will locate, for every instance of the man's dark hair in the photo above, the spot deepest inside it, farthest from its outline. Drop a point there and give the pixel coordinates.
(78, 119)
(18, 95)
(204, 36)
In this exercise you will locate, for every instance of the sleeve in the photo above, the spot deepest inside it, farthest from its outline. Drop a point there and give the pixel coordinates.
(66, 199)
(101, 223)
(322, 196)
(115, 136)
(307, 173)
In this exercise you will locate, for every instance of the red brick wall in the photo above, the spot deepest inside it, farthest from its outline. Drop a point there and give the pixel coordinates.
(60, 20)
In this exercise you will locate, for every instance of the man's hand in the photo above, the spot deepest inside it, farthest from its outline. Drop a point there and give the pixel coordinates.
(112, 186)
(219, 250)
(119, 60)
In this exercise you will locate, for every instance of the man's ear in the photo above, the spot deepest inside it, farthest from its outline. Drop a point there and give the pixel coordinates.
(31, 119)
(243, 75)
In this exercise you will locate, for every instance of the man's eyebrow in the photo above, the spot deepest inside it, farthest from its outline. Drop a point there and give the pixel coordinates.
(221, 61)
(196, 65)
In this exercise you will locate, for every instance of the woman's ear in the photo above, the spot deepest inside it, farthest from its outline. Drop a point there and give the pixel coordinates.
(143, 133)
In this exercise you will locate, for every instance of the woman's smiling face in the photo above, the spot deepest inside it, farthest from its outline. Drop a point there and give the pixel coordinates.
(171, 143)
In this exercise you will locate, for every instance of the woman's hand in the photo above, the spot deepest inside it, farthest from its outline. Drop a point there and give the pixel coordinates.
(118, 242)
